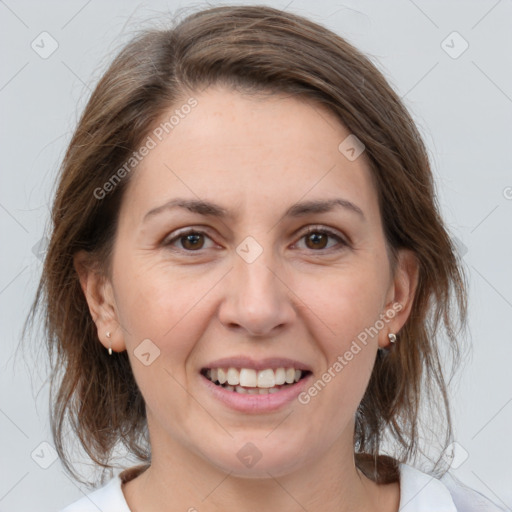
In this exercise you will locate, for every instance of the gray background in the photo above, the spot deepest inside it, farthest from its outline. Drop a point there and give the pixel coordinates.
(462, 104)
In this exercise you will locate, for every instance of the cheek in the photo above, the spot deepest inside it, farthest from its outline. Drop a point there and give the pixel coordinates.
(342, 304)
(165, 308)
(170, 309)
(344, 311)
(344, 315)
(153, 302)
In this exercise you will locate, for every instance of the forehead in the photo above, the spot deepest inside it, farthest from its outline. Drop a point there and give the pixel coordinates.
(249, 152)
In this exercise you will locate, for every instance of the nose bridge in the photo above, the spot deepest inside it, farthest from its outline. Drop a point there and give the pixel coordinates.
(257, 279)
(256, 298)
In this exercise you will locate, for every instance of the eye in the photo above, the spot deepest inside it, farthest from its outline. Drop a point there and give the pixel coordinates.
(190, 240)
(317, 238)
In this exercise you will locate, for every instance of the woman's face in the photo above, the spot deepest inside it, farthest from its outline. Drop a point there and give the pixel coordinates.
(248, 288)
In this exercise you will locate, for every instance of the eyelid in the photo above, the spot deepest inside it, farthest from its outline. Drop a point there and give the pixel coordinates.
(342, 240)
(180, 233)
(331, 232)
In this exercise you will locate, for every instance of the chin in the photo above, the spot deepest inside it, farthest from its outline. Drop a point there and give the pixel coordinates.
(258, 457)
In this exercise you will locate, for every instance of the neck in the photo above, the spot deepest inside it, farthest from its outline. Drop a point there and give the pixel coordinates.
(329, 483)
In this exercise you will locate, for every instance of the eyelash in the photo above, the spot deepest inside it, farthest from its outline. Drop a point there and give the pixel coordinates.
(309, 231)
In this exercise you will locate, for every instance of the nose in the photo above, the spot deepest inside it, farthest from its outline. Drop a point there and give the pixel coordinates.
(257, 299)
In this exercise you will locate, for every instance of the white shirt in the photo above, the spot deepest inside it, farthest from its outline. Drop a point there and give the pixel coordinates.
(419, 492)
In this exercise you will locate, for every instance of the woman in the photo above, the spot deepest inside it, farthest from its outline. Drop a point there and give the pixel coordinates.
(247, 276)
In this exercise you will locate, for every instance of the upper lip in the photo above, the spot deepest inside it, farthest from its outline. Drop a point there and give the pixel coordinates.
(258, 364)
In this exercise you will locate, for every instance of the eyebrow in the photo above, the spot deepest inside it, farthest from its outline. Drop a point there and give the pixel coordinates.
(210, 209)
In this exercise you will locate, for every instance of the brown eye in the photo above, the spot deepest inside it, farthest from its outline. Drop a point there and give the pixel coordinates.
(188, 241)
(192, 241)
(316, 240)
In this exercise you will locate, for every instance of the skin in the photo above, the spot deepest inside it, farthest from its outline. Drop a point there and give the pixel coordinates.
(254, 156)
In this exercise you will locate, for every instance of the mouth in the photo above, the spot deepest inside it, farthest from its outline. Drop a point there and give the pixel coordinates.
(254, 382)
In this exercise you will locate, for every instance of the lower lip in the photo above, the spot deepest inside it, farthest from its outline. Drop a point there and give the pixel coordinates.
(244, 402)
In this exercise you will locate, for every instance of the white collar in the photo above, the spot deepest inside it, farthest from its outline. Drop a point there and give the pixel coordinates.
(419, 492)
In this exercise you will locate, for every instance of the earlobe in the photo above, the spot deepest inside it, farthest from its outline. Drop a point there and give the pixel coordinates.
(401, 295)
(99, 295)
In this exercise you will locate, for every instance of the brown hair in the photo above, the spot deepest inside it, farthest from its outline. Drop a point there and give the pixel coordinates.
(251, 49)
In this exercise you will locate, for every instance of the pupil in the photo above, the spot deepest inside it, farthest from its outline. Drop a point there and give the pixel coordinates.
(317, 237)
(191, 241)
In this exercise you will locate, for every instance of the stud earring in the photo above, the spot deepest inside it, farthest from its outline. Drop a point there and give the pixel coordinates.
(392, 337)
(110, 347)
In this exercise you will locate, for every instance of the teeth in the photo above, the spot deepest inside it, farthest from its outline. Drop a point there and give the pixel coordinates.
(233, 377)
(266, 379)
(280, 376)
(248, 380)
(221, 376)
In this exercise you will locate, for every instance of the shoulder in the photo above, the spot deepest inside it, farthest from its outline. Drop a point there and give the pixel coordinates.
(421, 492)
(109, 498)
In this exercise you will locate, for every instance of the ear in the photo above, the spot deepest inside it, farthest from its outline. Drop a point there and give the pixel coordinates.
(99, 295)
(401, 294)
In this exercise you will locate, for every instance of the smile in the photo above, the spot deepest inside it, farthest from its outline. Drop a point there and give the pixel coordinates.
(254, 382)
